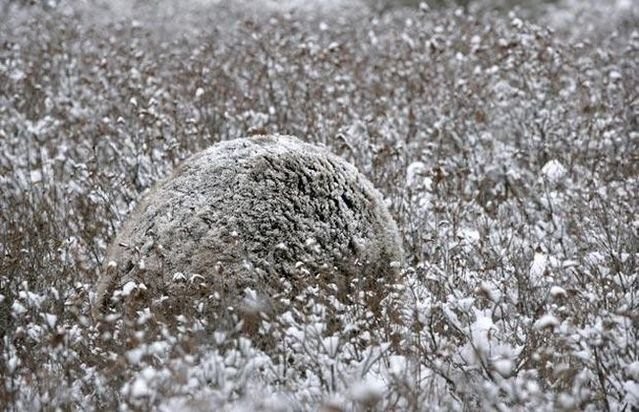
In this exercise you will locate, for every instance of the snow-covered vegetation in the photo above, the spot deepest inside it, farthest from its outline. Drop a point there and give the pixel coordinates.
(505, 141)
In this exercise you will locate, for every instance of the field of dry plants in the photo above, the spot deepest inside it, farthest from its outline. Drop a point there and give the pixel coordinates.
(505, 141)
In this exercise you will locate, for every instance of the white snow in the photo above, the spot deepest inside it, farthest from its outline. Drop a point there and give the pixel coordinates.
(538, 265)
(12, 364)
(368, 391)
(331, 345)
(632, 393)
(546, 321)
(36, 176)
(18, 308)
(553, 171)
(397, 365)
(503, 366)
(140, 388)
(481, 332)
(134, 356)
(179, 277)
(469, 235)
(128, 288)
(632, 370)
(50, 319)
(415, 173)
(557, 291)
(489, 291)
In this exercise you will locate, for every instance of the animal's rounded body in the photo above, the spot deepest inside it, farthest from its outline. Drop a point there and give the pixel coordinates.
(265, 213)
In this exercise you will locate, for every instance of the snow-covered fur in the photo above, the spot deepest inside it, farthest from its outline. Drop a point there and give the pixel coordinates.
(269, 213)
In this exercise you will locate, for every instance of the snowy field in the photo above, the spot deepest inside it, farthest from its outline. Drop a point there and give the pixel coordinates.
(506, 143)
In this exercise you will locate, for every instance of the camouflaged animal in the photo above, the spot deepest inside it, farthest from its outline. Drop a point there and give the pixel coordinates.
(268, 213)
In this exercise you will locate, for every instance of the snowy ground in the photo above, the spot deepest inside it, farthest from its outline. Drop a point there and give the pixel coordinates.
(507, 152)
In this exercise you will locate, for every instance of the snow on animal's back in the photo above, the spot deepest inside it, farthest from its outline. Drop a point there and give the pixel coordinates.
(270, 213)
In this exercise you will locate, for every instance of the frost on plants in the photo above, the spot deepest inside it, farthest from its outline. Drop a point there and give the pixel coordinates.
(153, 257)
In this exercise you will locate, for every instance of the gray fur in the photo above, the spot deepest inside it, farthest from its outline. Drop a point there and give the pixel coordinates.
(244, 213)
